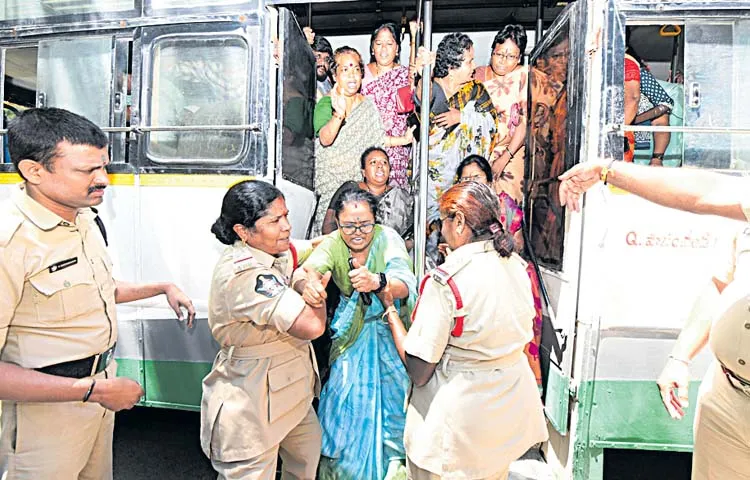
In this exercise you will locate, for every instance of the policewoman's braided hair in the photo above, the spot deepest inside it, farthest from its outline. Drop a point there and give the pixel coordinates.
(244, 203)
(480, 207)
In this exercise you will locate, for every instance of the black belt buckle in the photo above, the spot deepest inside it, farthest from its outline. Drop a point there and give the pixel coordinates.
(737, 382)
(82, 368)
(101, 361)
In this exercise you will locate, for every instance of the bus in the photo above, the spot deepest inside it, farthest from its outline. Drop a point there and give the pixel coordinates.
(622, 276)
(196, 94)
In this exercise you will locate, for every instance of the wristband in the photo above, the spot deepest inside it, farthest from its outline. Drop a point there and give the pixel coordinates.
(90, 391)
(512, 155)
(383, 282)
(338, 115)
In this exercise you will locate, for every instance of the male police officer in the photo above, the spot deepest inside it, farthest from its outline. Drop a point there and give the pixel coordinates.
(58, 324)
(722, 425)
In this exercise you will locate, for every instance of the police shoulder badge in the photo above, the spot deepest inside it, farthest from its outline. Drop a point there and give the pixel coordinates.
(268, 285)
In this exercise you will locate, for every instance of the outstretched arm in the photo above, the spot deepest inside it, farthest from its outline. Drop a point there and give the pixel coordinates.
(687, 189)
(130, 292)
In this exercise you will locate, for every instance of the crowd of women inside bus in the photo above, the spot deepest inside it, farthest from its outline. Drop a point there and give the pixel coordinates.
(468, 369)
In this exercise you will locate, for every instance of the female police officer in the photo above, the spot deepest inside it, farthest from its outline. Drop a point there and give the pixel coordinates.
(473, 387)
(257, 399)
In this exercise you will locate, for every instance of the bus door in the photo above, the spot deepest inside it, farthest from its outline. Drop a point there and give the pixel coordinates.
(295, 103)
(641, 265)
(556, 82)
(200, 115)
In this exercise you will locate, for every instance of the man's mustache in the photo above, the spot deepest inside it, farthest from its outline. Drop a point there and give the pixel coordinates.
(96, 188)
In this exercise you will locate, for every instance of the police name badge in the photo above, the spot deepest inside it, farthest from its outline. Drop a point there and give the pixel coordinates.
(268, 285)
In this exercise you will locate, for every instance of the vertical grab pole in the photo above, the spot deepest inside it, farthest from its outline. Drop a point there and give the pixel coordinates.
(539, 22)
(420, 207)
(309, 15)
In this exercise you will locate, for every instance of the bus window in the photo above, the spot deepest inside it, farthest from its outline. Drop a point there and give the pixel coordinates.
(547, 142)
(34, 9)
(714, 92)
(198, 81)
(657, 52)
(168, 4)
(76, 74)
(709, 102)
(19, 87)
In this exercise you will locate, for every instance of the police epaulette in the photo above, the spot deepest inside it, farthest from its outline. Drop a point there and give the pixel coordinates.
(444, 273)
(245, 263)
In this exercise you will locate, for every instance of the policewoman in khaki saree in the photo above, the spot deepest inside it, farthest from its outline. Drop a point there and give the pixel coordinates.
(474, 406)
(257, 399)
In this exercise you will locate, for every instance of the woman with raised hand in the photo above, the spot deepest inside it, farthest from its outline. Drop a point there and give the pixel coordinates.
(362, 405)
(346, 123)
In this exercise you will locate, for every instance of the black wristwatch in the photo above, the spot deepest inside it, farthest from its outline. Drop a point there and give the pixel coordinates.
(383, 283)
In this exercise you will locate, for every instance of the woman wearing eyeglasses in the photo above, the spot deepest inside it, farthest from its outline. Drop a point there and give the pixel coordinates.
(361, 406)
(506, 80)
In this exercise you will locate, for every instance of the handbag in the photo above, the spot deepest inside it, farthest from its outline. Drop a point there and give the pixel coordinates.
(405, 99)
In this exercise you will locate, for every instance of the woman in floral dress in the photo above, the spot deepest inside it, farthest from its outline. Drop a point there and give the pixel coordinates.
(506, 80)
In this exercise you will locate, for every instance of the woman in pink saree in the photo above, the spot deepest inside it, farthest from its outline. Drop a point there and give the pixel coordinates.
(382, 78)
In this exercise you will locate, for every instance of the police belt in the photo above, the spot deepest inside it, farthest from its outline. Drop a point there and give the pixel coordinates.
(264, 350)
(736, 381)
(82, 368)
(454, 363)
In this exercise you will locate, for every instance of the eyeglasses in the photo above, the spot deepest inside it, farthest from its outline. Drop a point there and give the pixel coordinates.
(505, 56)
(365, 228)
(473, 178)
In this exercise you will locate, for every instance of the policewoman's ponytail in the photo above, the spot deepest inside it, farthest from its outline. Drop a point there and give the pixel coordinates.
(480, 207)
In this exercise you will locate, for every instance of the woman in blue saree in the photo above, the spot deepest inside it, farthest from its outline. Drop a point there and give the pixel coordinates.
(362, 405)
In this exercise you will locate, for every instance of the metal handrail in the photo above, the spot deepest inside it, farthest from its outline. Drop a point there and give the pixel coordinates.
(677, 129)
(138, 129)
(420, 207)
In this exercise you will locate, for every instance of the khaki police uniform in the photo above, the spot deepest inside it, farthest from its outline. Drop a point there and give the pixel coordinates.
(480, 410)
(57, 305)
(722, 420)
(257, 399)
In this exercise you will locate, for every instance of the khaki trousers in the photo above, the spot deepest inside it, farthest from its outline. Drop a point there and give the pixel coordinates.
(60, 441)
(416, 473)
(300, 453)
(721, 430)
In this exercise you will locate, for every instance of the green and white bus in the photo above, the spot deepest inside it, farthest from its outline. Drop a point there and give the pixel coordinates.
(194, 97)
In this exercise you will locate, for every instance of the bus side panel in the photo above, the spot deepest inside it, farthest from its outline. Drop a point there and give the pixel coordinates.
(657, 262)
(174, 230)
